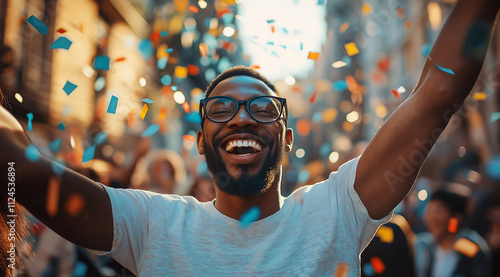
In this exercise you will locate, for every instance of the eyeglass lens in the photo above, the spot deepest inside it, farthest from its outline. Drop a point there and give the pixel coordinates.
(264, 109)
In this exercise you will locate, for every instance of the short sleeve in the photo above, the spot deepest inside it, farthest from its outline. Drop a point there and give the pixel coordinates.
(352, 212)
(131, 210)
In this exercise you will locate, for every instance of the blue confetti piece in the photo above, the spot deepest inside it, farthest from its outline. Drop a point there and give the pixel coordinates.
(163, 33)
(146, 48)
(193, 117)
(269, 21)
(174, 88)
(32, 153)
(112, 104)
(58, 167)
(494, 116)
(88, 154)
(368, 269)
(61, 43)
(303, 176)
(162, 63)
(444, 69)
(324, 150)
(249, 217)
(61, 126)
(166, 80)
(151, 130)
(227, 18)
(321, 2)
(101, 63)
(55, 145)
(30, 121)
(35, 22)
(339, 85)
(169, 50)
(492, 168)
(425, 49)
(100, 138)
(69, 87)
(147, 100)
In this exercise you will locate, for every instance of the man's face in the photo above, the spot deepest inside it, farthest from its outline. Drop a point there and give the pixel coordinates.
(252, 168)
(436, 218)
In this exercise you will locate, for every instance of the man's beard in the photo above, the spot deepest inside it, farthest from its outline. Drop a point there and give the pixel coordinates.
(246, 184)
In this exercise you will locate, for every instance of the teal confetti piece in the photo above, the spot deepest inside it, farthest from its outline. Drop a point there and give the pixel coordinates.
(100, 138)
(101, 63)
(494, 116)
(166, 80)
(339, 85)
(146, 48)
(193, 117)
(112, 104)
(169, 50)
(30, 121)
(88, 154)
(444, 69)
(368, 269)
(249, 217)
(35, 22)
(61, 126)
(69, 87)
(164, 33)
(58, 167)
(147, 100)
(151, 130)
(55, 145)
(61, 43)
(32, 153)
(162, 63)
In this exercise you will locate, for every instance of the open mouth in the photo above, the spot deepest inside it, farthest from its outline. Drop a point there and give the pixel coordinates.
(243, 147)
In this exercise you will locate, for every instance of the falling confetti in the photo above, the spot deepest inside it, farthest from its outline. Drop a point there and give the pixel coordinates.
(163, 113)
(313, 96)
(32, 153)
(181, 72)
(112, 104)
(101, 63)
(100, 138)
(339, 64)
(144, 111)
(494, 116)
(466, 247)
(35, 22)
(151, 130)
(313, 56)
(377, 264)
(189, 138)
(344, 27)
(18, 97)
(61, 30)
(386, 234)
(69, 87)
(55, 145)
(193, 70)
(395, 93)
(30, 121)
(147, 100)
(351, 49)
(74, 205)
(453, 225)
(193, 9)
(120, 59)
(61, 126)
(249, 217)
(186, 107)
(444, 69)
(52, 200)
(88, 154)
(61, 43)
(479, 96)
(146, 48)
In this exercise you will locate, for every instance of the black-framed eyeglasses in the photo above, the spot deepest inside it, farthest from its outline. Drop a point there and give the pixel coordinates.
(263, 109)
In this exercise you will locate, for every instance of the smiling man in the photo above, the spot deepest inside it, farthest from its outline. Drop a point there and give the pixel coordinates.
(319, 230)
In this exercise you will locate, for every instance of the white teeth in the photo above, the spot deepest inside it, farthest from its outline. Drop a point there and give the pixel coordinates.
(243, 143)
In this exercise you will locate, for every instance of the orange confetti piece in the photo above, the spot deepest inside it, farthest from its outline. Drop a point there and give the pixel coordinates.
(303, 127)
(181, 72)
(378, 265)
(193, 9)
(81, 27)
(366, 9)
(52, 202)
(272, 29)
(466, 247)
(189, 138)
(386, 234)
(313, 96)
(163, 113)
(74, 205)
(479, 96)
(342, 270)
(131, 119)
(120, 59)
(144, 111)
(313, 56)
(255, 66)
(395, 92)
(344, 27)
(193, 69)
(61, 31)
(453, 225)
(351, 49)
(186, 107)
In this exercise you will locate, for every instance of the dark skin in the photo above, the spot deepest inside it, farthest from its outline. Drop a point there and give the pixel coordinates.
(421, 118)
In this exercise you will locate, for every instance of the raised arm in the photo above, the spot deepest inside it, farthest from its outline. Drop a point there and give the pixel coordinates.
(388, 167)
(90, 227)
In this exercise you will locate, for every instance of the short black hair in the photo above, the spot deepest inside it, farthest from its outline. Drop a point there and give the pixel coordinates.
(456, 203)
(238, 71)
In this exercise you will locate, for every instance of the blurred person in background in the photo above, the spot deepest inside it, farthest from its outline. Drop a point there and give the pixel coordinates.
(448, 248)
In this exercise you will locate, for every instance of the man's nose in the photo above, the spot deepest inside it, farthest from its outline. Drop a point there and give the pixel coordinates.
(242, 118)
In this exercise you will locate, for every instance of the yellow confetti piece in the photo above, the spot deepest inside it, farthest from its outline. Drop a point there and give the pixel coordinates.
(329, 115)
(342, 270)
(344, 27)
(351, 49)
(386, 234)
(313, 56)
(52, 201)
(144, 111)
(466, 247)
(181, 71)
(18, 97)
(163, 113)
(181, 5)
(366, 9)
(339, 64)
(479, 96)
(74, 205)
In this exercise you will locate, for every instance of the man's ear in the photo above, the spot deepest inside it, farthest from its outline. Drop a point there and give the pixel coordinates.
(288, 139)
(200, 142)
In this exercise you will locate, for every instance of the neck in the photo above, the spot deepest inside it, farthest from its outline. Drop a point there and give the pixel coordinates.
(234, 207)
(447, 241)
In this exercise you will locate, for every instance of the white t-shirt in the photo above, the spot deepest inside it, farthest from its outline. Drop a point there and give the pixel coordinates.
(318, 229)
